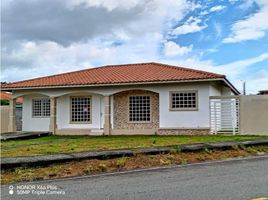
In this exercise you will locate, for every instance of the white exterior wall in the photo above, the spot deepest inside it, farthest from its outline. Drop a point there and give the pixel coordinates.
(64, 113)
(167, 118)
(184, 119)
(214, 90)
(30, 123)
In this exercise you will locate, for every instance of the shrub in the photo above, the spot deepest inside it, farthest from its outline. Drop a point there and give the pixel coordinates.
(102, 167)
(121, 161)
(209, 151)
(165, 162)
(4, 102)
(176, 149)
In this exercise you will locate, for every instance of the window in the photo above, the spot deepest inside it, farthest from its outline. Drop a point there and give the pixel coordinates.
(41, 107)
(139, 108)
(184, 100)
(81, 109)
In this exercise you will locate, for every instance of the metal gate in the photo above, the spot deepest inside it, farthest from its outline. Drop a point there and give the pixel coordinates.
(224, 115)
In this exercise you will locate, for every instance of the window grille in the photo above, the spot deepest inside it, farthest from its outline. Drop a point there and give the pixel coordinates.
(184, 100)
(139, 108)
(81, 109)
(41, 107)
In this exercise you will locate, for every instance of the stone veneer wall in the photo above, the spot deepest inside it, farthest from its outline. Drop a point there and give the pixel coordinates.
(183, 131)
(121, 111)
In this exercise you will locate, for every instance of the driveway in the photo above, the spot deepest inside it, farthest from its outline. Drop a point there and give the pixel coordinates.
(237, 179)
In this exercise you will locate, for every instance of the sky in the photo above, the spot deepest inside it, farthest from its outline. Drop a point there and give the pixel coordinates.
(45, 37)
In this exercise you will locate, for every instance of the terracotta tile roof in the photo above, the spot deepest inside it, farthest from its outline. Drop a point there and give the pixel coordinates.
(7, 96)
(117, 74)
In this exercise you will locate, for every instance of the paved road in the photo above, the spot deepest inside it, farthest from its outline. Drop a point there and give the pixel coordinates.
(240, 179)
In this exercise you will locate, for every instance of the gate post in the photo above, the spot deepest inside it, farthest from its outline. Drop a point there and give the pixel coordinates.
(12, 116)
(107, 115)
(53, 115)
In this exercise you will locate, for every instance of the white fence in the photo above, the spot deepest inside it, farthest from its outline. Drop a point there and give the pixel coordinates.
(224, 115)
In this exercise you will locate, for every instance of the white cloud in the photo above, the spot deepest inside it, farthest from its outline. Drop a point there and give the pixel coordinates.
(235, 68)
(212, 50)
(252, 28)
(109, 5)
(191, 25)
(218, 29)
(36, 59)
(212, 9)
(233, 1)
(135, 39)
(205, 12)
(257, 81)
(173, 49)
(217, 8)
(246, 4)
(232, 70)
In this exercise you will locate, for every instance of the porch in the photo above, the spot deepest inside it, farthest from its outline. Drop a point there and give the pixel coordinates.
(87, 113)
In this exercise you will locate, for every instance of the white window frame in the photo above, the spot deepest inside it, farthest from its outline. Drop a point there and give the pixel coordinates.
(71, 110)
(183, 108)
(150, 107)
(43, 112)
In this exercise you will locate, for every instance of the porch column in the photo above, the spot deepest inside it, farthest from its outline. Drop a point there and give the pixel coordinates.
(12, 116)
(107, 115)
(53, 115)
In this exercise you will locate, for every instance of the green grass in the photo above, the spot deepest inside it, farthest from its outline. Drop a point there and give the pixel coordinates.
(70, 144)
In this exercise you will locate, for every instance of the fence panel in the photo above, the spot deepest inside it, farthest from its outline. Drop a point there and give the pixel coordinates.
(224, 115)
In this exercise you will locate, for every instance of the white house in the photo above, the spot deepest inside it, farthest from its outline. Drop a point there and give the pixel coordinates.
(143, 98)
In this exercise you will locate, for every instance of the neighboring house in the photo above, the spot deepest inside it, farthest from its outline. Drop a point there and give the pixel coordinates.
(143, 98)
(4, 109)
(6, 96)
(263, 92)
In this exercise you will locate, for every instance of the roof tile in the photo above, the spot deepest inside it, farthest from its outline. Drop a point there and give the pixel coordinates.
(117, 74)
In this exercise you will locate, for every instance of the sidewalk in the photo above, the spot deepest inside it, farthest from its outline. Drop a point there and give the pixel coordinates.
(22, 135)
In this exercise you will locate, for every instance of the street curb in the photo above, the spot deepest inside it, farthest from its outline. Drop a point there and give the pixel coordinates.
(30, 161)
(141, 170)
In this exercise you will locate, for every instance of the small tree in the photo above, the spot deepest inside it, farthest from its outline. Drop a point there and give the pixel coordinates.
(4, 102)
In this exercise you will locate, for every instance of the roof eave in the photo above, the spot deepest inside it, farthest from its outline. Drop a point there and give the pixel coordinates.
(231, 86)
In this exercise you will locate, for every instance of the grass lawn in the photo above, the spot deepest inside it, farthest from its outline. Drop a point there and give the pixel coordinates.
(70, 144)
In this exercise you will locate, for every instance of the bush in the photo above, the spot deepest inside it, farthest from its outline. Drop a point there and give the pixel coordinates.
(121, 161)
(4, 102)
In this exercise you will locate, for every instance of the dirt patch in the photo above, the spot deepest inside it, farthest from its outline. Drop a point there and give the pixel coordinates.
(87, 167)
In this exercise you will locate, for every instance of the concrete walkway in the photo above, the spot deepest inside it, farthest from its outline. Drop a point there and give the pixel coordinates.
(22, 135)
(11, 162)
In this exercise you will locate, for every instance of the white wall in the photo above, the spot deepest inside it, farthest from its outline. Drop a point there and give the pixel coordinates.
(184, 119)
(226, 91)
(30, 123)
(214, 90)
(63, 113)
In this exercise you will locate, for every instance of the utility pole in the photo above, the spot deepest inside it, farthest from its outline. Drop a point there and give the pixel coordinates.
(244, 87)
